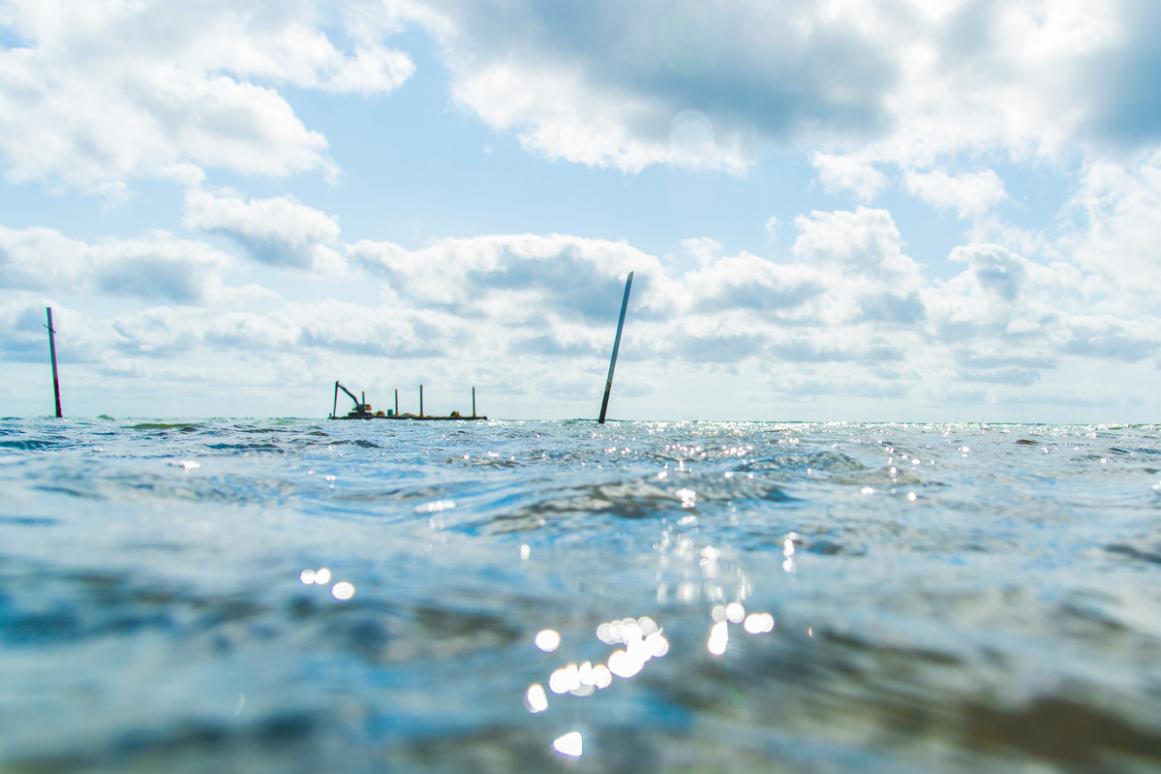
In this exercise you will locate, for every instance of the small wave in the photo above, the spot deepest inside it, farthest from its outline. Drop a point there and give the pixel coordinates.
(181, 427)
(31, 444)
(359, 442)
(1130, 552)
(29, 521)
(240, 447)
(641, 499)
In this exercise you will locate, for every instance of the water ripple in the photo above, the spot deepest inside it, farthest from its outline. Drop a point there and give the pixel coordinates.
(300, 595)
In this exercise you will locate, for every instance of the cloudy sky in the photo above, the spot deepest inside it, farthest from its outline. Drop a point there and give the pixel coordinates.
(835, 209)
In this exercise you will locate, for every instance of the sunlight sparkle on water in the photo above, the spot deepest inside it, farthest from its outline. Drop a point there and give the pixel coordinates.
(625, 665)
(343, 590)
(564, 679)
(437, 506)
(535, 699)
(758, 623)
(570, 744)
(321, 576)
(719, 637)
(547, 640)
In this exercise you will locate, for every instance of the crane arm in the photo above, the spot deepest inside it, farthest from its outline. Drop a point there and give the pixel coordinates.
(358, 405)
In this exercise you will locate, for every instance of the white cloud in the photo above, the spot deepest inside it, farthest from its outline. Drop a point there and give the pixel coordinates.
(101, 93)
(864, 240)
(1118, 233)
(747, 281)
(295, 328)
(157, 266)
(849, 172)
(772, 228)
(676, 83)
(860, 85)
(530, 272)
(23, 320)
(277, 231)
(971, 194)
(845, 306)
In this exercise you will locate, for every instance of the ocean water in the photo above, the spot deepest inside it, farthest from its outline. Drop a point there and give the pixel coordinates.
(300, 595)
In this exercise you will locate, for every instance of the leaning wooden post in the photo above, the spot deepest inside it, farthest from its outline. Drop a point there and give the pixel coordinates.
(335, 407)
(616, 347)
(52, 354)
(473, 403)
(421, 400)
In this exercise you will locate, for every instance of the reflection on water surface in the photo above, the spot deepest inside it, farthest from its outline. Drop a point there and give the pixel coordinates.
(293, 595)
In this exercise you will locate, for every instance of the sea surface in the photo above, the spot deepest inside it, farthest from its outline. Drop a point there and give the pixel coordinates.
(298, 595)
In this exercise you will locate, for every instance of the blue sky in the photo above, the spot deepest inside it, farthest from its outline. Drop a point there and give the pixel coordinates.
(836, 210)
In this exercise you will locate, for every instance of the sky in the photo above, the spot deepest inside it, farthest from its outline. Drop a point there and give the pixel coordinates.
(928, 210)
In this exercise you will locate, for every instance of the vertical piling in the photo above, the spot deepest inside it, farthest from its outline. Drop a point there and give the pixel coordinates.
(52, 354)
(396, 401)
(616, 347)
(335, 407)
(473, 402)
(421, 400)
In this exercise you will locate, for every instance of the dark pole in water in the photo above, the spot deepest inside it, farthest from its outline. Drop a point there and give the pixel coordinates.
(421, 400)
(473, 403)
(396, 401)
(52, 353)
(362, 400)
(335, 407)
(616, 347)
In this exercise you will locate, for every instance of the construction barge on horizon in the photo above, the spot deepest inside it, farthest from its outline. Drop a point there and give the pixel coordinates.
(362, 409)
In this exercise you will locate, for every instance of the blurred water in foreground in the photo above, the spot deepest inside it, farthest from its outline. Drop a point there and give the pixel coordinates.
(293, 595)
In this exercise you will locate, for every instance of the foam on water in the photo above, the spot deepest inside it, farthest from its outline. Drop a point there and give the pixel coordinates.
(295, 595)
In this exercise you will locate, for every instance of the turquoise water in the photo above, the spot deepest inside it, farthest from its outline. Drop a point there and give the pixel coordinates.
(296, 595)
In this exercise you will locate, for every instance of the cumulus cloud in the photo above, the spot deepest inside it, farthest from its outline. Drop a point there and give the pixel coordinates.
(23, 321)
(1114, 338)
(25, 340)
(155, 267)
(1117, 232)
(681, 83)
(849, 172)
(996, 270)
(532, 273)
(864, 240)
(844, 304)
(313, 327)
(858, 85)
(971, 194)
(277, 231)
(747, 281)
(97, 94)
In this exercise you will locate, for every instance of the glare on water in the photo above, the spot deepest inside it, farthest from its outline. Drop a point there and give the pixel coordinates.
(289, 594)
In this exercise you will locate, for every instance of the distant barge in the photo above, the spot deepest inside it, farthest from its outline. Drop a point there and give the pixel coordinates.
(362, 409)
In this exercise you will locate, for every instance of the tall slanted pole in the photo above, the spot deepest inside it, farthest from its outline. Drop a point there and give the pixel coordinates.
(616, 347)
(473, 403)
(421, 400)
(335, 408)
(52, 354)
